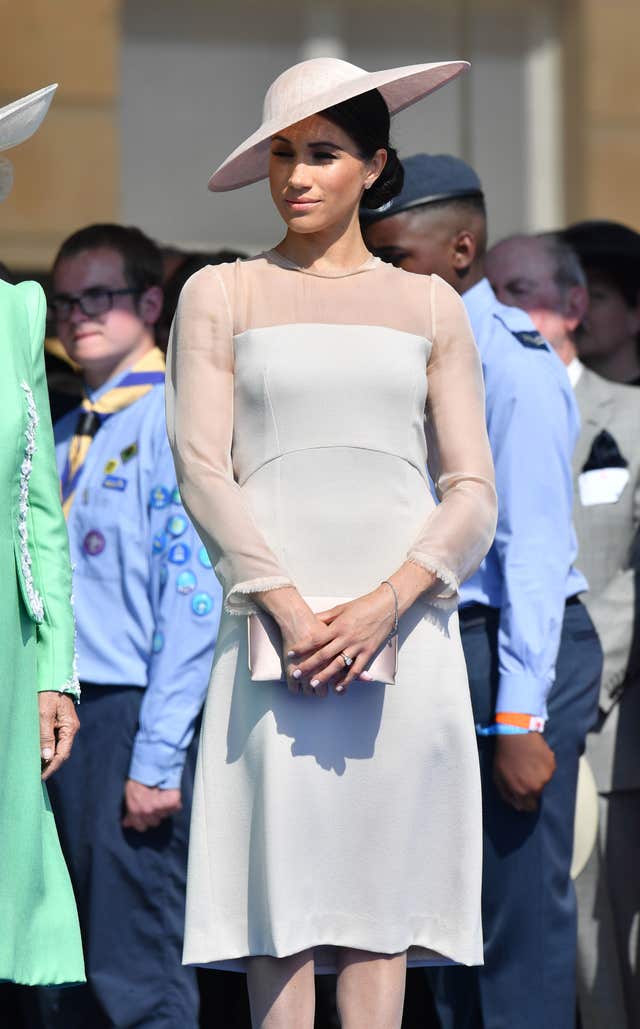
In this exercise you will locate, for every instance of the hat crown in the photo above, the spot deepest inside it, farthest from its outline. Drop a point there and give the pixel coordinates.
(302, 83)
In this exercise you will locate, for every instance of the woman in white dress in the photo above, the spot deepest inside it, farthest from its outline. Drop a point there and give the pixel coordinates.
(337, 819)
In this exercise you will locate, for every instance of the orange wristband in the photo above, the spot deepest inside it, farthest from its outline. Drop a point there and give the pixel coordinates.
(529, 722)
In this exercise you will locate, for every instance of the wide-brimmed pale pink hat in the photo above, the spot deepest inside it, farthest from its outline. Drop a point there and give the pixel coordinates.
(18, 121)
(313, 86)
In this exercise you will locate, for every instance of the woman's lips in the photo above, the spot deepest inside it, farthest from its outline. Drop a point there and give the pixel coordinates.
(301, 205)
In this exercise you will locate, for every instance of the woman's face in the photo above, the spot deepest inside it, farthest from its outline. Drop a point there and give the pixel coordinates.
(317, 176)
(610, 325)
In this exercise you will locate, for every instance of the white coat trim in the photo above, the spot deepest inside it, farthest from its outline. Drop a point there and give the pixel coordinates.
(72, 685)
(33, 596)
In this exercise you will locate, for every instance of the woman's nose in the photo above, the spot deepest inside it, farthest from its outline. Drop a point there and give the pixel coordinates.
(299, 177)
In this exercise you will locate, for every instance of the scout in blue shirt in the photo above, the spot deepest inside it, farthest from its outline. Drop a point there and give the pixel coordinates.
(147, 608)
(532, 653)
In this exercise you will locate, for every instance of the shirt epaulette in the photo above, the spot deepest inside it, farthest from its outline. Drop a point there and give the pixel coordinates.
(530, 339)
(512, 320)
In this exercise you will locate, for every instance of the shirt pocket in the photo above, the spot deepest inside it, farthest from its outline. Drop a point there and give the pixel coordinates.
(108, 540)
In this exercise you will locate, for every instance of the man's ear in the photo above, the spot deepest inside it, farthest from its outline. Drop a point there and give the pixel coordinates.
(465, 248)
(576, 307)
(150, 305)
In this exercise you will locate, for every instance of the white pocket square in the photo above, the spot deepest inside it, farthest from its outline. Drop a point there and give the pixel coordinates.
(602, 486)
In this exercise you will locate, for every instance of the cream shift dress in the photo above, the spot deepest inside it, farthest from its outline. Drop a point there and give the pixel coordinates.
(302, 409)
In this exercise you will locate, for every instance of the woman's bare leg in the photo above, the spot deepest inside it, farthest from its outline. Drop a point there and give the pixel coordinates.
(282, 991)
(370, 989)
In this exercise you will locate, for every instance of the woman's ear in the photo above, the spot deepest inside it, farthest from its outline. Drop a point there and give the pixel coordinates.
(376, 165)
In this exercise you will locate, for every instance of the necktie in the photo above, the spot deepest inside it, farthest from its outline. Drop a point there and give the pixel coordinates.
(144, 375)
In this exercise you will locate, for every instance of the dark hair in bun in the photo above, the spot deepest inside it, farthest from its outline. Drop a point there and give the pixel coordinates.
(366, 120)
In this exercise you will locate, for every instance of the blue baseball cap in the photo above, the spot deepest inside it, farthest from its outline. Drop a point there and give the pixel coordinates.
(427, 178)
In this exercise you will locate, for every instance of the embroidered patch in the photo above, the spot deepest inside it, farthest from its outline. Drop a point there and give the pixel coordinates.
(175, 496)
(204, 558)
(160, 497)
(179, 554)
(114, 482)
(128, 452)
(111, 465)
(530, 339)
(159, 542)
(202, 604)
(94, 543)
(186, 582)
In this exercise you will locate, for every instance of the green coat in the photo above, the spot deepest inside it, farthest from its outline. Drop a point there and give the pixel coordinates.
(39, 933)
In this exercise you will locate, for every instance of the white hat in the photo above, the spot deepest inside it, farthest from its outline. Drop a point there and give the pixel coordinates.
(18, 121)
(313, 86)
(585, 829)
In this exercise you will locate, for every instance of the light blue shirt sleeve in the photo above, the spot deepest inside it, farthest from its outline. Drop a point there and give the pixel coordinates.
(186, 600)
(532, 431)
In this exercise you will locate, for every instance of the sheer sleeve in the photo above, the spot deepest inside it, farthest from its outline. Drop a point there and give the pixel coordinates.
(460, 530)
(199, 391)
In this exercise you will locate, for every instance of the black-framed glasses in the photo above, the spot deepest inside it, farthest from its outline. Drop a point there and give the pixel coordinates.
(92, 302)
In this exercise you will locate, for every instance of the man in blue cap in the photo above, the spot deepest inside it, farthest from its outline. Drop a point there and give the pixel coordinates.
(532, 653)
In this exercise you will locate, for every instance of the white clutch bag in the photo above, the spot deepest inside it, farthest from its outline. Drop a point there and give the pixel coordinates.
(265, 647)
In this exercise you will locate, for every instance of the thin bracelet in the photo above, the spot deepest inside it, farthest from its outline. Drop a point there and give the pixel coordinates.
(394, 631)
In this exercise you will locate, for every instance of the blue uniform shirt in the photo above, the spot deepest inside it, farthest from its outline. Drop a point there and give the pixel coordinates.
(533, 425)
(147, 602)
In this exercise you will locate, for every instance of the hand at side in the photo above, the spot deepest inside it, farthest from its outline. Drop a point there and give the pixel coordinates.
(59, 724)
(522, 767)
(145, 807)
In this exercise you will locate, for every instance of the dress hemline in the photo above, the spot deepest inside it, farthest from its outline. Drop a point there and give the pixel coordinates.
(324, 957)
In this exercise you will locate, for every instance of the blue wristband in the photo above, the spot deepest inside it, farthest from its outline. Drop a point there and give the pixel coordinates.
(500, 730)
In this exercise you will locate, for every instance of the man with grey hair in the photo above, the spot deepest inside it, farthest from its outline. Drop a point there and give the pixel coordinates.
(542, 274)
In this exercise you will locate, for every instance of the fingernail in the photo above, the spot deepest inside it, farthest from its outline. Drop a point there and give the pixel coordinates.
(297, 674)
(291, 653)
(47, 754)
(339, 689)
(366, 676)
(314, 683)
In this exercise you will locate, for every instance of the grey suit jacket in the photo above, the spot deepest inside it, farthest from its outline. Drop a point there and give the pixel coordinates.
(608, 551)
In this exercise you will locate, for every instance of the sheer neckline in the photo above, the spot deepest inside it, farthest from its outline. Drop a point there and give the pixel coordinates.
(277, 258)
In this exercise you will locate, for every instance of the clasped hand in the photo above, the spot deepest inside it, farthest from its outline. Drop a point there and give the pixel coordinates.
(313, 650)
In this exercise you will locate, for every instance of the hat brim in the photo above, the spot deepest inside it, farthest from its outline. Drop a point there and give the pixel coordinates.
(20, 119)
(400, 88)
(586, 818)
